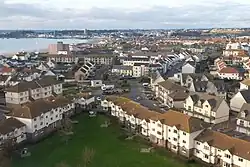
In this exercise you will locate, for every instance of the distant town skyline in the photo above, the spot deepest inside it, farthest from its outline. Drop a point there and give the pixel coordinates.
(111, 14)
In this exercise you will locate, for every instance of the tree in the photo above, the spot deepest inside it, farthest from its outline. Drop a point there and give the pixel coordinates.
(66, 130)
(6, 150)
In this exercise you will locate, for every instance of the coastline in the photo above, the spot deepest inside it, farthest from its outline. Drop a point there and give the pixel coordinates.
(10, 46)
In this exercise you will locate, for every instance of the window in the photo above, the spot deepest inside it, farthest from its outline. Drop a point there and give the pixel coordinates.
(206, 156)
(240, 159)
(41, 117)
(198, 143)
(46, 116)
(159, 125)
(184, 133)
(175, 131)
(174, 147)
(183, 141)
(22, 136)
(34, 119)
(206, 147)
(175, 139)
(56, 116)
(51, 118)
(21, 99)
(197, 151)
(41, 123)
(35, 126)
(227, 156)
(153, 129)
(159, 133)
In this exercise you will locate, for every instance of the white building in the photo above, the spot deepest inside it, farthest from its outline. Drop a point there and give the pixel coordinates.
(239, 99)
(211, 109)
(220, 149)
(24, 92)
(41, 117)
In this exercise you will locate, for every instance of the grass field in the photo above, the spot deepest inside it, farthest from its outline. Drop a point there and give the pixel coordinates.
(109, 150)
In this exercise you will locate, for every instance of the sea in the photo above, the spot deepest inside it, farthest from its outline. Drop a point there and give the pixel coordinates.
(11, 45)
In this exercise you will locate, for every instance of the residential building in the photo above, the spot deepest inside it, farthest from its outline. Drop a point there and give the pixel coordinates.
(122, 70)
(173, 130)
(220, 64)
(245, 84)
(98, 59)
(59, 48)
(230, 73)
(214, 87)
(12, 129)
(187, 79)
(164, 89)
(188, 68)
(219, 149)
(140, 69)
(243, 119)
(211, 109)
(42, 116)
(25, 92)
(62, 58)
(239, 99)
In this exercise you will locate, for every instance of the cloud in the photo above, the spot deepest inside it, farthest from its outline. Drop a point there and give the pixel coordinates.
(217, 14)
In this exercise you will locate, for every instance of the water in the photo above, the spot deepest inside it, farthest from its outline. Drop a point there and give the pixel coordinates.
(32, 44)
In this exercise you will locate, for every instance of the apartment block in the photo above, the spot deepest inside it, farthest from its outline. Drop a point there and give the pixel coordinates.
(25, 92)
(211, 109)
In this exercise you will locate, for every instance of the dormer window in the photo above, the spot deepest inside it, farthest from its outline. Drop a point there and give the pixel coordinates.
(244, 114)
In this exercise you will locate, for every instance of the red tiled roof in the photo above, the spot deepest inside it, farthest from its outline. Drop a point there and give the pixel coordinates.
(228, 70)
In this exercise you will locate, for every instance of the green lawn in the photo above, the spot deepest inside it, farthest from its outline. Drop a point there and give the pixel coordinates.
(110, 151)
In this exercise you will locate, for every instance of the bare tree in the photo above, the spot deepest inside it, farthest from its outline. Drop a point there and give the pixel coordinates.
(4, 160)
(6, 150)
(66, 130)
(87, 155)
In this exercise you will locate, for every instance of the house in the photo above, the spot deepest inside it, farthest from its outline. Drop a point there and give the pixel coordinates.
(4, 80)
(208, 108)
(155, 78)
(188, 79)
(214, 87)
(25, 92)
(239, 99)
(177, 98)
(84, 100)
(28, 74)
(219, 63)
(188, 68)
(122, 70)
(245, 84)
(230, 73)
(164, 89)
(12, 129)
(21, 56)
(81, 74)
(42, 116)
(243, 119)
(43, 67)
(51, 63)
(219, 149)
(7, 71)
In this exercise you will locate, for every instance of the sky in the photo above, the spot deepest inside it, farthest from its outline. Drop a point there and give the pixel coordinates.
(123, 14)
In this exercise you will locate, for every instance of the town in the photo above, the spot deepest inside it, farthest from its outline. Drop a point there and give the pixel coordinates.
(186, 95)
